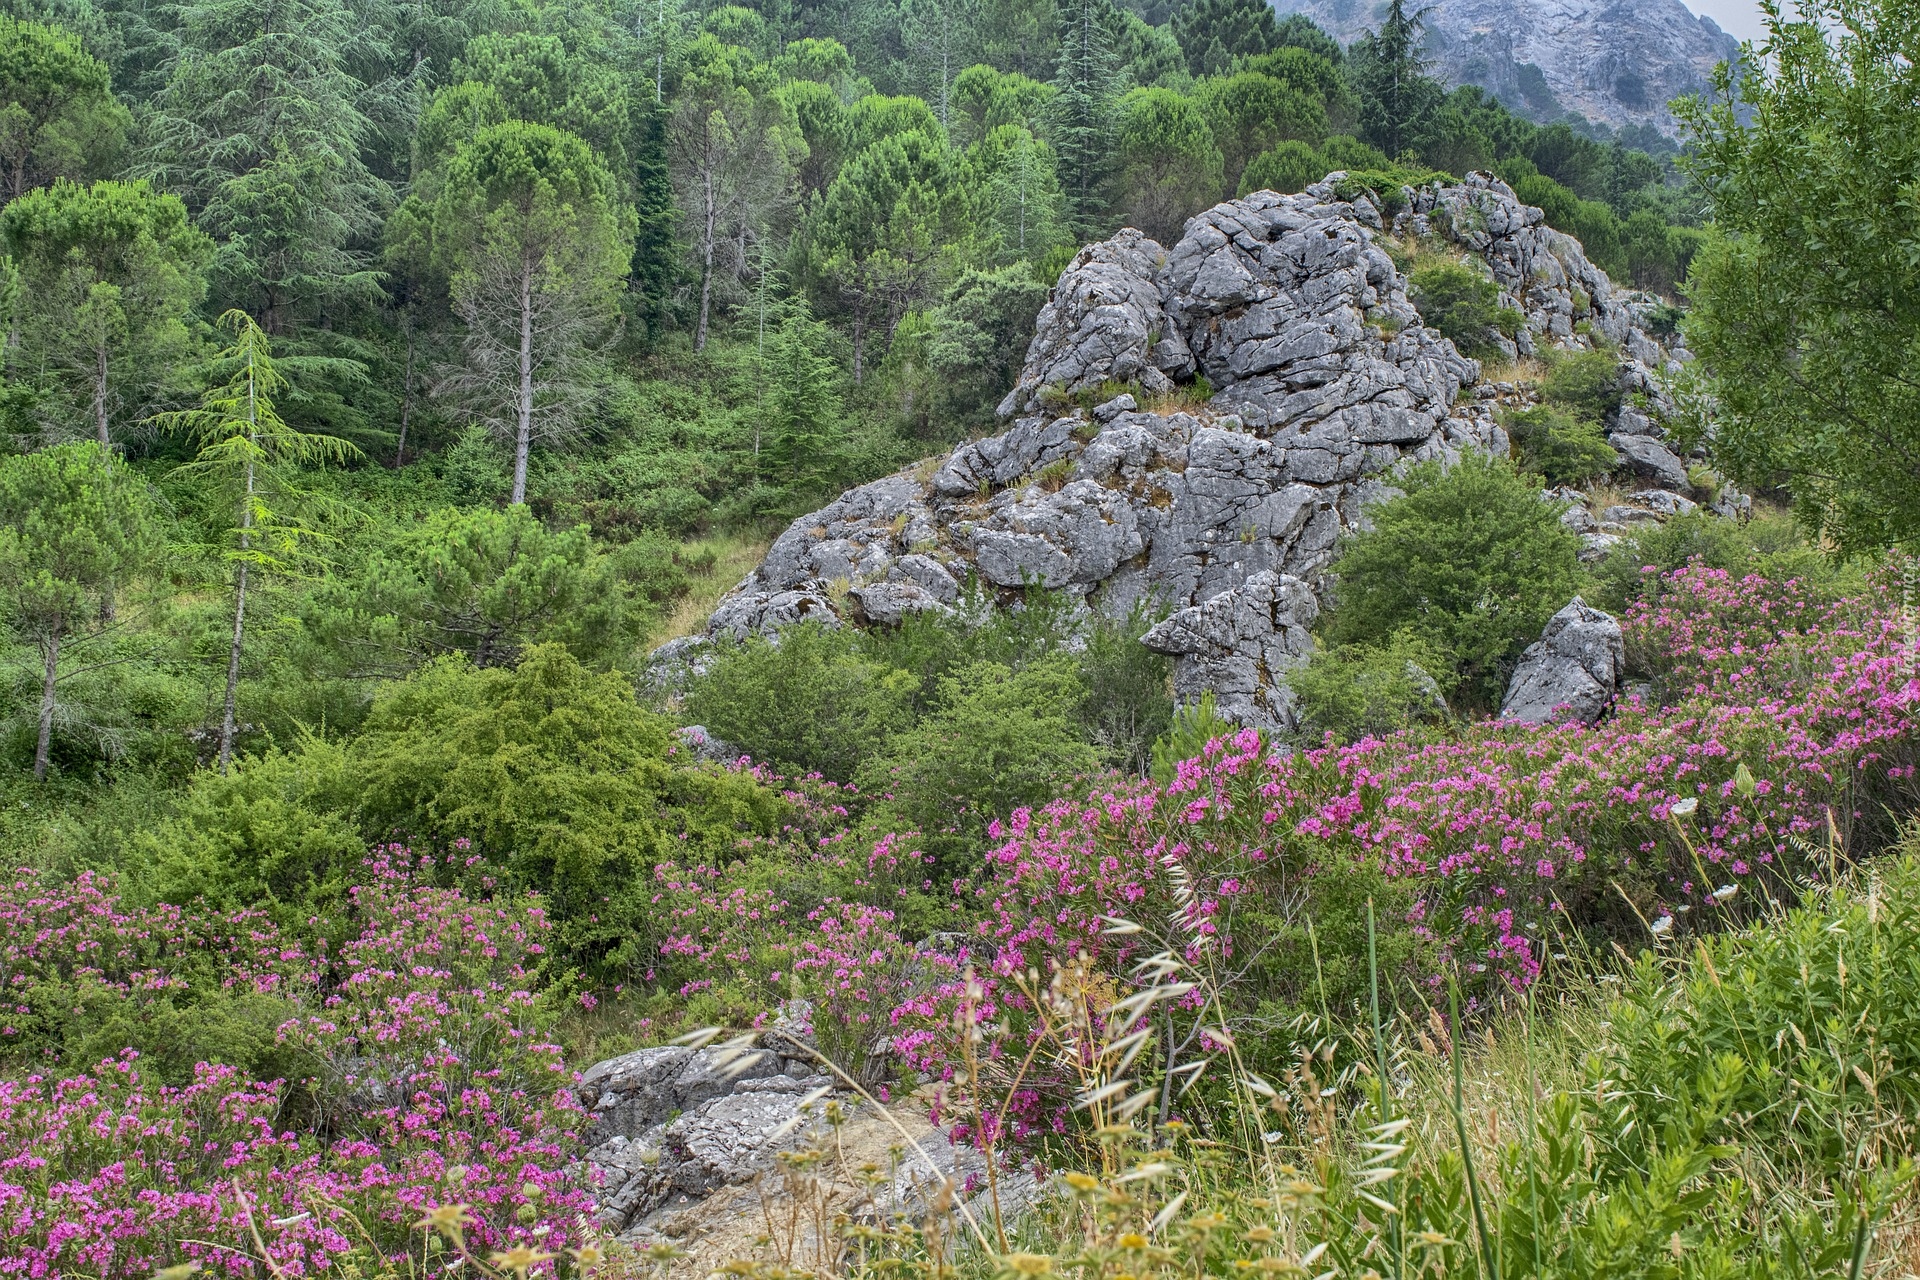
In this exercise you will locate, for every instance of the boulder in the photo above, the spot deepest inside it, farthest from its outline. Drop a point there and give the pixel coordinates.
(1645, 456)
(1573, 672)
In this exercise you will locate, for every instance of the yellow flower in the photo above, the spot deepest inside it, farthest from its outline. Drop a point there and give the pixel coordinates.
(1133, 1240)
(520, 1259)
(446, 1218)
(1206, 1222)
(1029, 1264)
(1261, 1235)
(1081, 1181)
(588, 1255)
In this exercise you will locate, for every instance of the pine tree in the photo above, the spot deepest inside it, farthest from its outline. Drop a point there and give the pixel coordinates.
(260, 130)
(72, 523)
(110, 274)
(530, 233)
(1390, 75)
(58, 115)
(1214, 33)
(248, 450)
(1086, 80)
(656, 247)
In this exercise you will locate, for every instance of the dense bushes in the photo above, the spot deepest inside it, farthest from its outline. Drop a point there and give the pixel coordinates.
(1463, 304)
(1558, 447)
(1469, 562)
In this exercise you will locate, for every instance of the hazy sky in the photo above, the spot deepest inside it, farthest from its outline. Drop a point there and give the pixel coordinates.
(1738, 18)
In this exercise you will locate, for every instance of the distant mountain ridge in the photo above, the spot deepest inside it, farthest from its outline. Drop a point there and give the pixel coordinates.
(1617, 62)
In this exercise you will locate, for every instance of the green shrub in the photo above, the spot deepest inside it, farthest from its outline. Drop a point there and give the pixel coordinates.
(1468, 561)
(1287, 167)
(1360, 690)
(1557, 446)
(1769, 545)
(1463, 304)
(1191, 729)
(1586, 383)
(272, 834)
(561, 783)
(1129, 690)
(812, 703)
(995, 740)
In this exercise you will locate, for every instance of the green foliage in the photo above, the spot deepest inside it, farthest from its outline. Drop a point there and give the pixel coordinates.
(272, 834)
(562, 784)
(1389, 73)
(528, 224)
(1249, 114)
(1287, 168)
(58, 115)
(1767, 545)
(1086, 84)
(1187, 734)
(1129, 703)
(1463, 304)
(1365, 689)
(813, 703)
(1586, 383)
(1468, 562)
(1804, 310)
(803, 406)
(485, 584)
(285, 194)
(995, 739)
(1558, 447)
(108, 276)
(1170, 168)
(1214, 33)
(74, 523)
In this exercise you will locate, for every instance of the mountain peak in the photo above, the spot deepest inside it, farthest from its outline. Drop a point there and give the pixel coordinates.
(1616, 62)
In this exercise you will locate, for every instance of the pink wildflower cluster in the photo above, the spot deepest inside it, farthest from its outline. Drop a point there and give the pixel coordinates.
(430, 1083)
(1785, 711)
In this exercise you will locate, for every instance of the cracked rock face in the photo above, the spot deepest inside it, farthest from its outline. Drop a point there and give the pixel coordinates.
(1573, 672)
(1221, 511)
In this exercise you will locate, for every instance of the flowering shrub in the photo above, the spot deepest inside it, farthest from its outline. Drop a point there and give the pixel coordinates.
(430, 1081)
(1789, 714)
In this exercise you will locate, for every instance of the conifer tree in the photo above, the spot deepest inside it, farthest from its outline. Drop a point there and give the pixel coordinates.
(1213, 33)
(249, 452)
(72, 523)
(109, 274)
(1086, 82)
(260, 129)
(528, 230)
(1389, 73)
(58, 115)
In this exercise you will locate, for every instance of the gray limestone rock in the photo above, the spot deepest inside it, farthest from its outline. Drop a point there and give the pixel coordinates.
(1326, 384)
(1103, 323)
(1645, 456)
(1573, 672)
(1667, 504)
(704, 745)
(1239, 645)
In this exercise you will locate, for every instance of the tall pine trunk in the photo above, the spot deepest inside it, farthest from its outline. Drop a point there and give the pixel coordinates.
(108, 603)
(100, 395)
(711, 215)
(406, 394)
(239, 603)
(50, 650)
(523, 426)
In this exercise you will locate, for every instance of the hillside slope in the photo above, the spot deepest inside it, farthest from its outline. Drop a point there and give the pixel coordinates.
(1619, 62)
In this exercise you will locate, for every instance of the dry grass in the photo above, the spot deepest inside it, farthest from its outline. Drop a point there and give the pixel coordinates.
(734, 556)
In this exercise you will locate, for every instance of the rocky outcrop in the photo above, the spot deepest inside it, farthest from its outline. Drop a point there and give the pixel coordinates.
(1573, 672)
(1223, 509)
